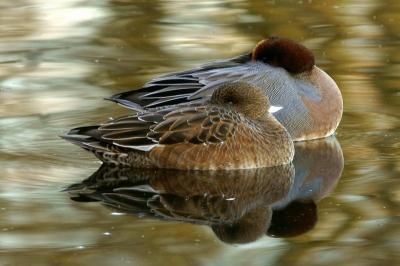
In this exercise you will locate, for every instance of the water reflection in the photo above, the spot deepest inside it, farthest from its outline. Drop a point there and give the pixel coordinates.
(319, 165)
(62, 58)
(240, 206)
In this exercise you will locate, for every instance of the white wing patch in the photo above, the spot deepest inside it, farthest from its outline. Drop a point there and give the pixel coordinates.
(274, 109)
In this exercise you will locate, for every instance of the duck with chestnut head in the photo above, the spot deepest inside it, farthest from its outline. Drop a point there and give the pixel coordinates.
(283, 69)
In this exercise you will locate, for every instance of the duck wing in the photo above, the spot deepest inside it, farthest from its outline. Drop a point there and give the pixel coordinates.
(193, 123)
(177, 87)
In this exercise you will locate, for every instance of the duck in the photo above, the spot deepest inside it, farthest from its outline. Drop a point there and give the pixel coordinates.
(285, 71)
(232, 129)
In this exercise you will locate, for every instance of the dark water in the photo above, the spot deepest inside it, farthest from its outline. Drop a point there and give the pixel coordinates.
(58, 60)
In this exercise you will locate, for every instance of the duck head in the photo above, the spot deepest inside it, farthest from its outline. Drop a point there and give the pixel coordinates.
(311, 100)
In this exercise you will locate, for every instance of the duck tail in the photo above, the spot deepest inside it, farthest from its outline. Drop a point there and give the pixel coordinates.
(105, 150)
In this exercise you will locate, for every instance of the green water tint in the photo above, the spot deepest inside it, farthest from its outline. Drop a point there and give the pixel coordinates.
(60, 61)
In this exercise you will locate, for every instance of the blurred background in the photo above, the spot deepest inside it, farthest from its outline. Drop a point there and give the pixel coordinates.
(59, 60)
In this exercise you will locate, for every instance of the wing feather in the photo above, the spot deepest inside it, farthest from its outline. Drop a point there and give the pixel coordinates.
(177, 87)
(190, 123)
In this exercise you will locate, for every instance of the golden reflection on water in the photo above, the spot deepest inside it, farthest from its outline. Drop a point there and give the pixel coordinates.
(240, 206)
(58, 60)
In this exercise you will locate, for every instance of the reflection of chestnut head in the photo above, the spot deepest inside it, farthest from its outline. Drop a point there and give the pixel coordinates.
(295, 219)
(247, 229)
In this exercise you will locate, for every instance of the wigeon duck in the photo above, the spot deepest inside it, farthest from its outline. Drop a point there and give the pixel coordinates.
(284, 70)
(233, 129)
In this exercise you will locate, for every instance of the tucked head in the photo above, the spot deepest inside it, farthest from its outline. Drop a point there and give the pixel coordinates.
(285, 53)
(243, 97)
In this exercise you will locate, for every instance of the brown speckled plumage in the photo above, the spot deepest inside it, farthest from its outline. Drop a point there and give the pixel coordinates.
(283, 69)
(231, 130)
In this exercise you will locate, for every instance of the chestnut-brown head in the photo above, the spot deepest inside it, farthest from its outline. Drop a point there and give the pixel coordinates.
(284, 52)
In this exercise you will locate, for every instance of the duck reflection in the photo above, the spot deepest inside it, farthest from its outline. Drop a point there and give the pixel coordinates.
(319, 165)
(236, 204)
(240, 206)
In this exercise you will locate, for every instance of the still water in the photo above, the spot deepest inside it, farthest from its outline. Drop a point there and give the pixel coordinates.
(59, 60)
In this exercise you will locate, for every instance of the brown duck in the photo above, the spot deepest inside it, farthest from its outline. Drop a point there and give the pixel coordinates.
(232, 129)
(283, 69)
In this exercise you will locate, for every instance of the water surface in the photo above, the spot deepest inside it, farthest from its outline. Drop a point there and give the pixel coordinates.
(58, 60)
